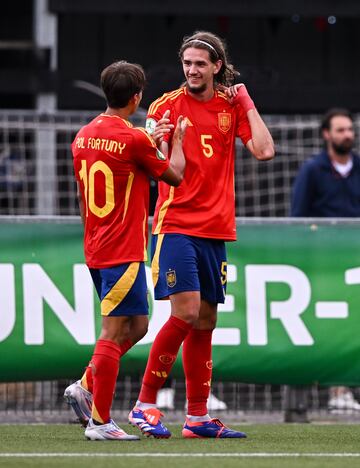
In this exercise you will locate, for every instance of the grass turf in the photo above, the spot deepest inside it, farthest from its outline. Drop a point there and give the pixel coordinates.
(280, 438)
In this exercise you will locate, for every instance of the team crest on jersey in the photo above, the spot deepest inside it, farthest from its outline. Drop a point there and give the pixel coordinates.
(224, 121)
(171, 278)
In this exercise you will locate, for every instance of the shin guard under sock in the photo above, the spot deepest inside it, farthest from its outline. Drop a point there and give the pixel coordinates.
(198, 370)
(162, 357)
(105, 367)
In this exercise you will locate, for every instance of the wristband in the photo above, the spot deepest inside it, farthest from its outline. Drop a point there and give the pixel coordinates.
(244, 99)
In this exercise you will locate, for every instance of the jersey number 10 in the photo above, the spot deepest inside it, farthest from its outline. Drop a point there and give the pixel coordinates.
(89, 188)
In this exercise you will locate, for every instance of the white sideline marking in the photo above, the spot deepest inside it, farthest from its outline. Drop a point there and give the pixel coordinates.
(180, 455)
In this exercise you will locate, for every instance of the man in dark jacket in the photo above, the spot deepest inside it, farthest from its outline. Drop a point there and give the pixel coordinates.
(328, 185)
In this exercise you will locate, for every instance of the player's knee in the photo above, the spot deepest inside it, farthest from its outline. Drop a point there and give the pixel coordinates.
(187, 315)
(206, 323)
(210, 323)
(138, 329)
(139, 332)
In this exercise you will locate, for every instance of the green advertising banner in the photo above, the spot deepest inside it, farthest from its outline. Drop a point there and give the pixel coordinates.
(291, 315)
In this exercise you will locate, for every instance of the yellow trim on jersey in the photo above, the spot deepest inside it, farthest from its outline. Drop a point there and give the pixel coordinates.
(129, 124)
(120, 289)
(155, 268)
(161, 99)
(222, 95)
(127, 193)
(163, 210)
(144, 234)
(95, 414)
(149, 137)
(164, 98)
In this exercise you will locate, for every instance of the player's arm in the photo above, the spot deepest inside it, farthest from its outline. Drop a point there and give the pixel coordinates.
(261, 144)
(174, 174)
(80, 201)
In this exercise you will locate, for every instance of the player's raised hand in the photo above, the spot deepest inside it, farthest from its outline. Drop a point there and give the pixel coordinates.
(180, 129)
(232, 91)
(162, 128)
(238, 94)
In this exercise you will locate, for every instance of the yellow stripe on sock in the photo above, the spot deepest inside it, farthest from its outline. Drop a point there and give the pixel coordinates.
(95, 414)
(84, 382)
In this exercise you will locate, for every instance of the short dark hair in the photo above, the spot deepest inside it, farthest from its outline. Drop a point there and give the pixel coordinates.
(217, 51)
(330, 114)
(120, 81)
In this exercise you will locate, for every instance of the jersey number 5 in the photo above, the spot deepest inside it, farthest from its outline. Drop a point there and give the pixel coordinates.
(207, 148)
(223, 273)
(89, 187)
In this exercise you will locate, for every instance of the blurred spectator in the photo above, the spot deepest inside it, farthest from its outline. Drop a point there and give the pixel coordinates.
(328, 185)
(12, 177)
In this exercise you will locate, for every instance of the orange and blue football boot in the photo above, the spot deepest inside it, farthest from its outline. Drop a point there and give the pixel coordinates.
(213, 428)
(148, 421)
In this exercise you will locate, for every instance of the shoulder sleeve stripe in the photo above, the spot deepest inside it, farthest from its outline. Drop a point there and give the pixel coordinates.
(180, 91)
(164, 98)
(142, 130)
(170, 97)
(129, 124)
(160, 100)
(222, 95)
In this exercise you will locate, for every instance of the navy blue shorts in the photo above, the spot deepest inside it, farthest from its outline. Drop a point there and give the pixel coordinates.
(121, 289)
(186, 263)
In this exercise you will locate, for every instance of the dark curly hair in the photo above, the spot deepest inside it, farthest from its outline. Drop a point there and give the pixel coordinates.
(217, 51)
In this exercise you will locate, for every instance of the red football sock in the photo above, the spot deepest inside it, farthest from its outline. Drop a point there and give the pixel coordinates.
(162, 357)
(198, 370)
(105, 367)
(87, 379)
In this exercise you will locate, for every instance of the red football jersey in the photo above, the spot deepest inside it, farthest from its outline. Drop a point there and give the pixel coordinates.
(113, 162)
(204, 203)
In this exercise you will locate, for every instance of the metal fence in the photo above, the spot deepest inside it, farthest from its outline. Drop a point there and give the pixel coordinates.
(36, 172)
(44, 402)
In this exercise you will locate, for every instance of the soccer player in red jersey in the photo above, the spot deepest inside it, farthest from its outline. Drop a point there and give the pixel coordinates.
(113, 162)
(192, 222)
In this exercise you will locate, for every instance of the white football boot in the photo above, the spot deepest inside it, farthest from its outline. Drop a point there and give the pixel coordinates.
(109, 431)
(80, 400)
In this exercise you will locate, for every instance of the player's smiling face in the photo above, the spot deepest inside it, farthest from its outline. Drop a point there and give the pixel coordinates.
(199, 70)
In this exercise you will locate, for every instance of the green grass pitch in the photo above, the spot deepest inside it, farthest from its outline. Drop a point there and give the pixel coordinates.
(280, 445)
